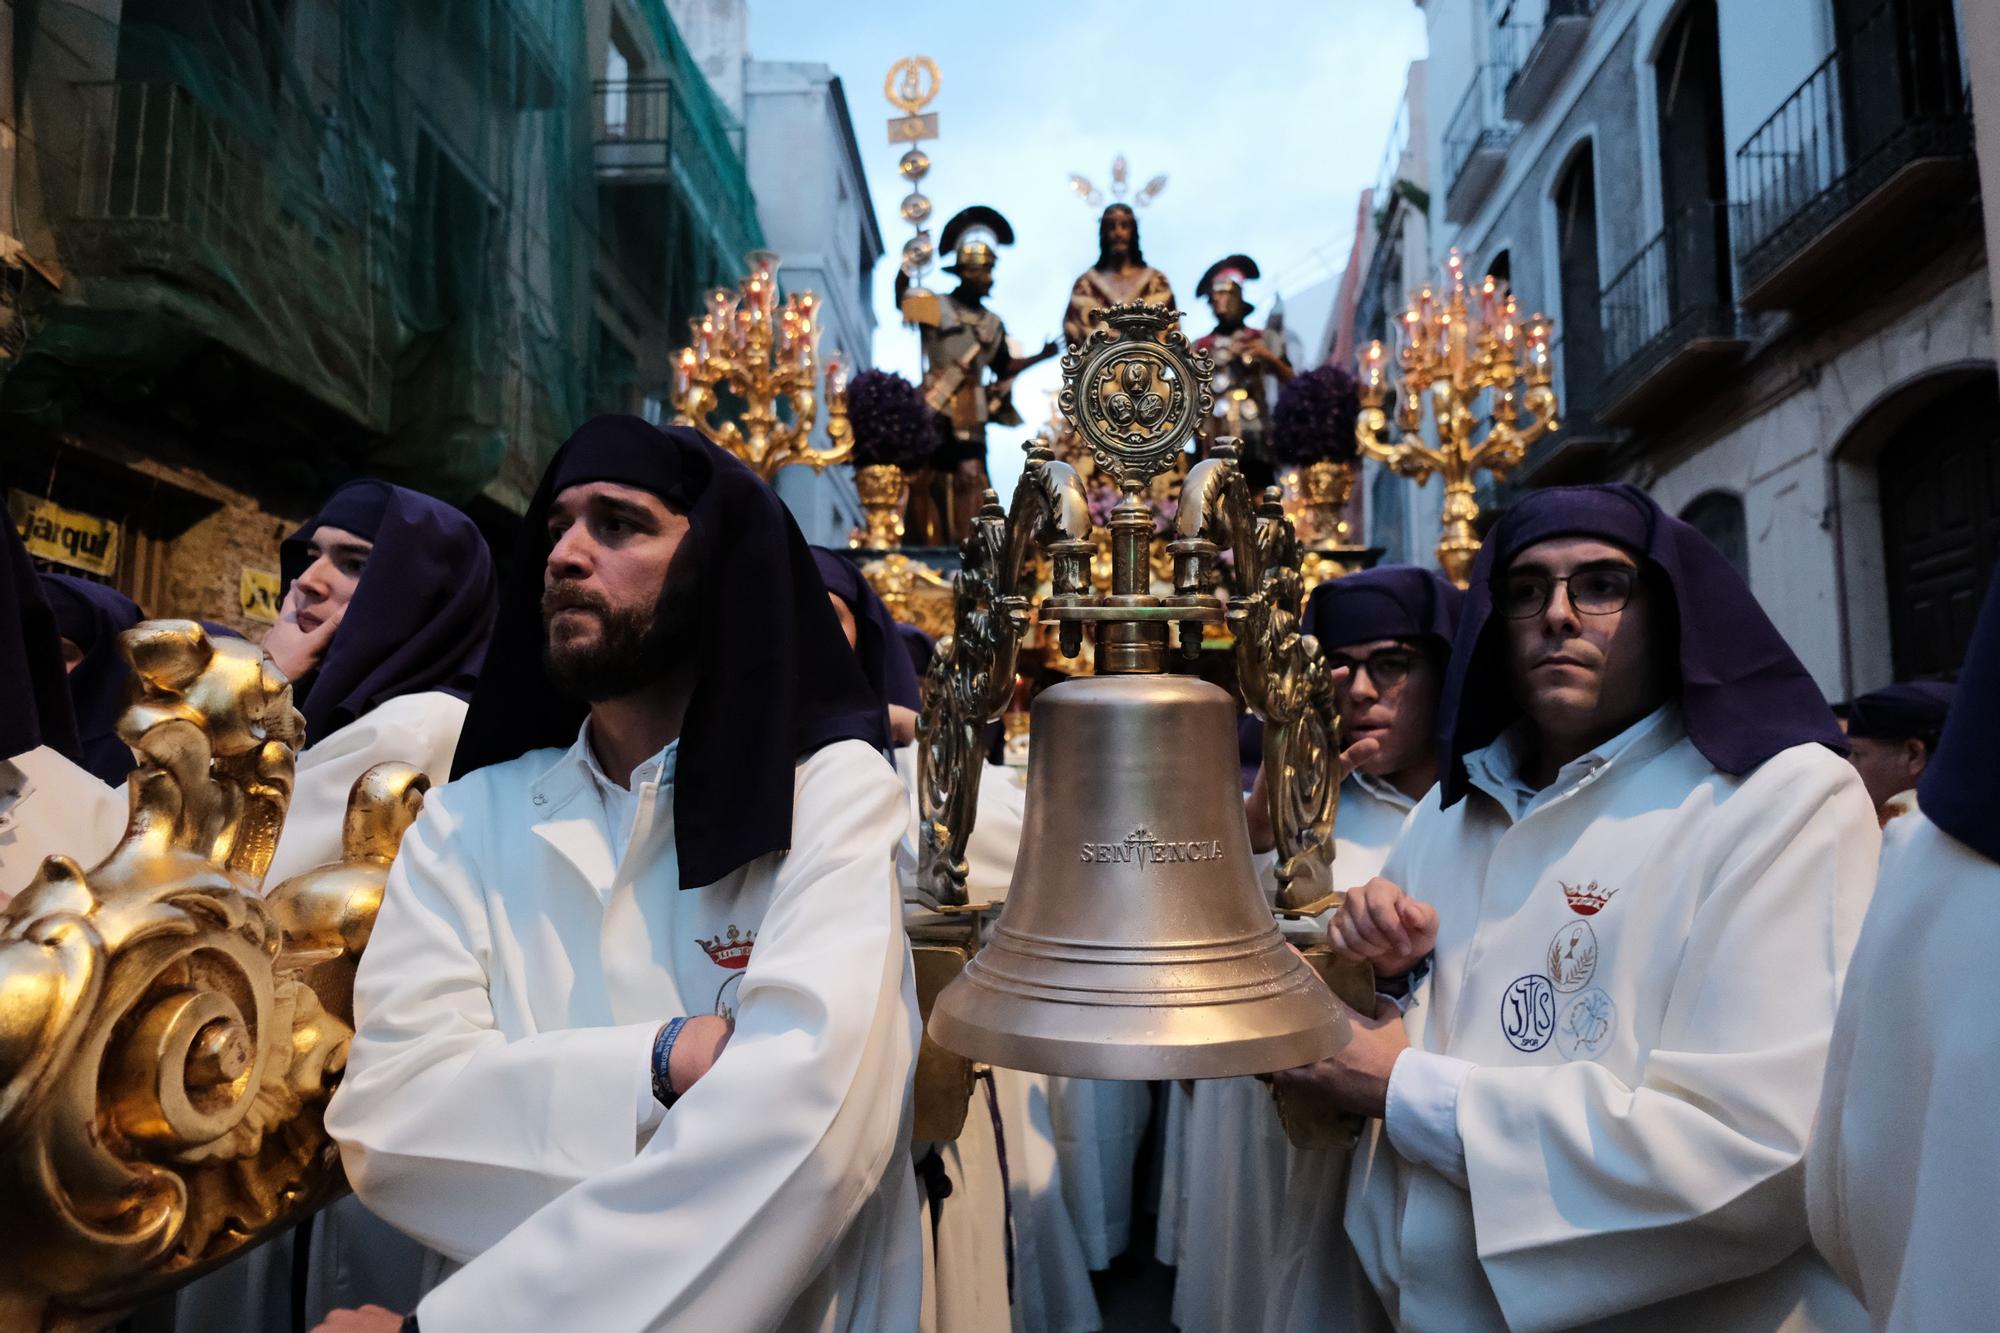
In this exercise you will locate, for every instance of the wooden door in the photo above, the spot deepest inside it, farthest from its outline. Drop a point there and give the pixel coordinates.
(1940, 488)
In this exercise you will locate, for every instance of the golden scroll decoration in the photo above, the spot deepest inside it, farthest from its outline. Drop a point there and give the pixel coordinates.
(168, 1037)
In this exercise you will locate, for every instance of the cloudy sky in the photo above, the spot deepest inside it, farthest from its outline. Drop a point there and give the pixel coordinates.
(1268, 118)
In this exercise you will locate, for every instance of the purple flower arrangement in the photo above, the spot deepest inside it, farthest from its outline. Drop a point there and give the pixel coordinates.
(1314, 419)
(891, 421)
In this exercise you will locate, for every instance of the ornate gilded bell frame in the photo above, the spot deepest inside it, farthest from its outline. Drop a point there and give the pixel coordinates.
(1134, 392)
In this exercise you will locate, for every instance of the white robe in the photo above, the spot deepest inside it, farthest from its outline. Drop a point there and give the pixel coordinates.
(1634, 1120)
(1225, 1201)
(1902, 1175)
(1312, 1282)
(1051, 1289)
(494, 1099)
(355, 1257)
(51, 807)
(418, 729)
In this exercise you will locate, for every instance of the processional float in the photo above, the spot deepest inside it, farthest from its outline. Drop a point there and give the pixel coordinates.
(1135, 941)
(169, 1034)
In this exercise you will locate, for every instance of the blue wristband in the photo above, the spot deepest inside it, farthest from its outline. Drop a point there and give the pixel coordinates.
(663, 1052)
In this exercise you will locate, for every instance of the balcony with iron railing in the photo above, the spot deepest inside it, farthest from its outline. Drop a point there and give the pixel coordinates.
(268, 246)
(644, 133)
(1877, 138)
(1580, 449)
(1476, 140)
(1668, 315)
(1538, 55)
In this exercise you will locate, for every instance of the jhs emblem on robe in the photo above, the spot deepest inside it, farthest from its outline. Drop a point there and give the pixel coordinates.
(1573, 956)
(1586, 899)
(1587, 1025)
(730, 951)
(1528, 1013)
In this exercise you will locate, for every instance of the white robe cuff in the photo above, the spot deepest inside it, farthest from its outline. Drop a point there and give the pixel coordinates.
(651, 1113)
(1422, 1113)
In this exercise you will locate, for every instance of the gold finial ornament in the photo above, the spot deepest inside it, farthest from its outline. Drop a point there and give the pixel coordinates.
(1135, 941)
(911, 84)
(766, 353)
(1453, 355)
(168, 1037)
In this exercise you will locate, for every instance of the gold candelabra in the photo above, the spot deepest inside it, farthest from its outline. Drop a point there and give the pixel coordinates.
(1455, 355)
(765, 353)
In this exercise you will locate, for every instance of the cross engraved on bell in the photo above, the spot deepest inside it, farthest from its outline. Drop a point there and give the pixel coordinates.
(1142, 847)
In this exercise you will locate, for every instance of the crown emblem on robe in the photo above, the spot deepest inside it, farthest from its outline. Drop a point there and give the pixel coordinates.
(730, 950)
(1586, 899)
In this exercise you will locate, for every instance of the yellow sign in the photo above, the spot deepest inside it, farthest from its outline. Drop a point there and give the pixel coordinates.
(64, 536)
(259, 595)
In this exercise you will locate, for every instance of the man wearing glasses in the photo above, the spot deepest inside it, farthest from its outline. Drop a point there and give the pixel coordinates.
(1260, 1222)
(1618, 928)
(1390, 629)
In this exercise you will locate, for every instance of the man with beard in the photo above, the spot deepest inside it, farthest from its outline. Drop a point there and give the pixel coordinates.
(1619, 924)
(636, 1027)
(1119, 276)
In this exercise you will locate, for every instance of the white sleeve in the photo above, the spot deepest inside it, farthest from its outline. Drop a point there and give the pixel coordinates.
(1695, 1176)
(1421, 1118)
(449, 1131)
(725, 1217)
(417, 729)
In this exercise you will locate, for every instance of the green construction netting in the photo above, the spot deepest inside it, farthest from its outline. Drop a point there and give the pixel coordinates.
(391, 211)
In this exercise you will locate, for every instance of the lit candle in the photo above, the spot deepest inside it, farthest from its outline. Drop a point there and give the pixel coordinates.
(836, 378)
(1374, 373)
(1489, 293)
(684, 373)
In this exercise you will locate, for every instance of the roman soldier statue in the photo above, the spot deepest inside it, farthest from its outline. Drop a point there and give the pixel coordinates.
(1243, 358)
(1119, 275)
(964, 344)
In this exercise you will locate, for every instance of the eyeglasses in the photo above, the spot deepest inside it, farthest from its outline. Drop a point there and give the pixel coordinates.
(1388, 668)
(1594, 591)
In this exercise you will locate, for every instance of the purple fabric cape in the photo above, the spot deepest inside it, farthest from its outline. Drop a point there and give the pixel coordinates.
(1387, 602)
(776, 680)
(1960, 783)
(92, 616)
(877, 640)
(1743, 693)
(1909, 709)
(35, 708)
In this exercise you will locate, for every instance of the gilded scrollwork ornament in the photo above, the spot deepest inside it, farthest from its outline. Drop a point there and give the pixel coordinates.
(169, 1037)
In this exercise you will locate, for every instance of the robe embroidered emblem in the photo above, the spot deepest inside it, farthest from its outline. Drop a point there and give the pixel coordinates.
(1586, 899)
(1587, 1025)
(1573, 956)
(1528, 1013)
(731, 950)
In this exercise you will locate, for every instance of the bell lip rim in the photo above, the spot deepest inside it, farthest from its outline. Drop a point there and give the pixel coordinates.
(1050, 1052)
(1077, 1058)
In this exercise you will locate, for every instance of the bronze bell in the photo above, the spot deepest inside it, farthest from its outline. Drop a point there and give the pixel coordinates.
(1135, 941)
